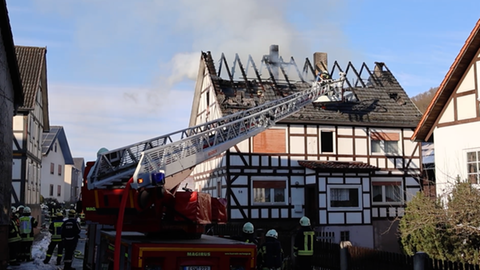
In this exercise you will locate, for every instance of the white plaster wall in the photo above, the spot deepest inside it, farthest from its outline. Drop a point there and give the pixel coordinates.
(345, 146)
(451, 145)
(466, 107)
(55, 179)
(468, 83)
(297, 145)
(448, 114)
(67, 195)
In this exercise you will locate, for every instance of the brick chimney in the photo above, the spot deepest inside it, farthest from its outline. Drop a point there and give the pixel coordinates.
(320, 61)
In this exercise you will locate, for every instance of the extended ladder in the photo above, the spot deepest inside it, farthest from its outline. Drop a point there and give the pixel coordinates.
(182, 150)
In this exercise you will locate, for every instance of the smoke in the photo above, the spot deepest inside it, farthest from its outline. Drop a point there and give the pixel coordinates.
(172, 34)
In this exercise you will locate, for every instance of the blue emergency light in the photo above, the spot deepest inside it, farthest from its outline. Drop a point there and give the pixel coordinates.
(158, 178)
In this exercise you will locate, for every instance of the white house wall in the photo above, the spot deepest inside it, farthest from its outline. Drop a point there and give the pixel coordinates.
(455, 133)
(451, 145)
(55, 156)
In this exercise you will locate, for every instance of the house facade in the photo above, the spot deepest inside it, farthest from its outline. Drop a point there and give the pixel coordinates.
(28, 125)
(76, 179)
(57, 163)
(346, 161)
(453, 119)
(11, 98)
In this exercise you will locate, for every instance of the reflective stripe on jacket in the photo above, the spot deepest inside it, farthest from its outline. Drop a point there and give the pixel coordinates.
(56, 230)
(304, 242)
(13, 234)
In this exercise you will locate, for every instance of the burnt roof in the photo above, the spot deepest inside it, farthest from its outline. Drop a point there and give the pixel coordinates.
(337, 165)
(379, 98)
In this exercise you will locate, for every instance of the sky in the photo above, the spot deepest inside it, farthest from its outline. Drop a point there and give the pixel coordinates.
(120, 72)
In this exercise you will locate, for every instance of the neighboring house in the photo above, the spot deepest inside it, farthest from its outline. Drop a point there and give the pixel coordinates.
(452, 120)
(30, 122)
(56, 176)
(346, 161)
(11, 97)
(428, 168)
(77, 179)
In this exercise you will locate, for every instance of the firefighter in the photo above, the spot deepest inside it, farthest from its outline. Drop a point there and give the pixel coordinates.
(248, 233)
(19, 213)
(27, 226)
(70, 234)
(303, 246)
(55, 229)
(14, 239)
(270, 253)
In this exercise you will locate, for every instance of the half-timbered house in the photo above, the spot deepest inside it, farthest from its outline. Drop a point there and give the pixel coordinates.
(28, 125)
(346, 161)
(452, 119)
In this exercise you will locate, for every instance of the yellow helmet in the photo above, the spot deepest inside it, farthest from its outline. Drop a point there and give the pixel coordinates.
(71, 213)
(59, 214)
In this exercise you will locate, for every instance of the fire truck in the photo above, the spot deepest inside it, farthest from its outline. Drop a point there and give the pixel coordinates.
(138, 216)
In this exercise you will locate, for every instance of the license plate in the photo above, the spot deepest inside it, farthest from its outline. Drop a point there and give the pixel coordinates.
(196, 268)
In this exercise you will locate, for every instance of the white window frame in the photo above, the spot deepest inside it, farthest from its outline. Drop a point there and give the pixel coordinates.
(475, 163)
(383, 145)
(384, 201)
(272, 194)
(329, 197)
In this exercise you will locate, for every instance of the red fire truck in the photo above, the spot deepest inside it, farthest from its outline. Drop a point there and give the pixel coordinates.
(139, 218)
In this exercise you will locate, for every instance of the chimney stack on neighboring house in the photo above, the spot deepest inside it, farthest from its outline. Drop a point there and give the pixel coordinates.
(378, 70)
(274, 59)
(320, 60)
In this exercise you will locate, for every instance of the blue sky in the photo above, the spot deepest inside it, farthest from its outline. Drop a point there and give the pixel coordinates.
(120, 72)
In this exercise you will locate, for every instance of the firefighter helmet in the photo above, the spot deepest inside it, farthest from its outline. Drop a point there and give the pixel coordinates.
(20, 207)
(272, 233)
(27, 210)
(71, 213)
(59, 214)
(305, 221)
(248, 227)
(13, 209)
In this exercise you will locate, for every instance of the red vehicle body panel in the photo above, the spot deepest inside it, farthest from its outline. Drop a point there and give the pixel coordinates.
(218, 253)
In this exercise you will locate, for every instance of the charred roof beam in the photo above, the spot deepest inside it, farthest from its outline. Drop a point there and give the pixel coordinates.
(250, 60)
(244, 74)
(308, 67)
(224, 61)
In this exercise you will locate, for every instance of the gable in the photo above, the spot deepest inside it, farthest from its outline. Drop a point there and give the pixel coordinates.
(463, 105)
(457, 82)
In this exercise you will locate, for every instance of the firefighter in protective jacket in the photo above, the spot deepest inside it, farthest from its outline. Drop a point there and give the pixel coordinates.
(14, 239)
(27, 225)
(249, 233)
(303, 246)
(70, 234)
(55, 229)
(270, 253)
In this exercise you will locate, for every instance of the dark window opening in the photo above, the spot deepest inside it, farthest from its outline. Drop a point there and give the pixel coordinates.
(326, 141)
